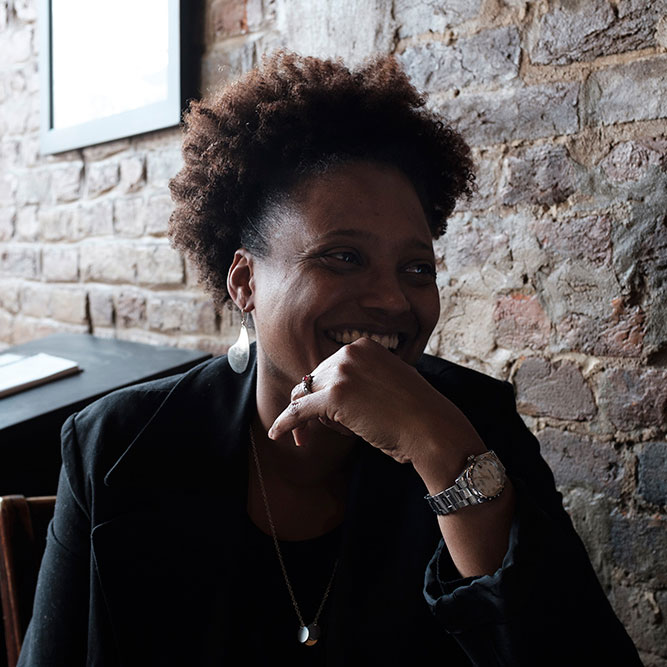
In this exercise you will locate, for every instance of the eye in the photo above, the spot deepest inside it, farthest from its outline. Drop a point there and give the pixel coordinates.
(421, 269)
(338, 257)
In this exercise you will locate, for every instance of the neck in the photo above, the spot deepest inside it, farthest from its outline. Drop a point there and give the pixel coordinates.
(306, 486)
(325, 456)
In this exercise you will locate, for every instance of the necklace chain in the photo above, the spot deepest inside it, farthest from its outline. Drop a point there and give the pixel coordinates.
(277, 546)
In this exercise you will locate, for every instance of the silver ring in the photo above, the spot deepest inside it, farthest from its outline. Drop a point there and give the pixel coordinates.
(307, 384)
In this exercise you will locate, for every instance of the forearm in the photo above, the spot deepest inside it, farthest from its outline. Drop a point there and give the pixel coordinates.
(476, 536)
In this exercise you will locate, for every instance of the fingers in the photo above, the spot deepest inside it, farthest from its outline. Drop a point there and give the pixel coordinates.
(304, 387)
(296, 414)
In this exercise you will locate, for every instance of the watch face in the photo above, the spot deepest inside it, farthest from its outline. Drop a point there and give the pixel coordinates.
(487, 478)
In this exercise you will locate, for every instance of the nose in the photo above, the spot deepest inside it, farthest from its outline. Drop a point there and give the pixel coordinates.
(384, 291)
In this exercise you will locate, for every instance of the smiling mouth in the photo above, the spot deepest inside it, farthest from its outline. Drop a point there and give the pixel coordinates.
(346, 336)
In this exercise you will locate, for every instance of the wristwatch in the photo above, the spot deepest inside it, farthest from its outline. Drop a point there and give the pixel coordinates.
(483, 479)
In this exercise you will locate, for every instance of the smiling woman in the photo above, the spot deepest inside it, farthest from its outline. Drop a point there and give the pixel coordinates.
(276, 509)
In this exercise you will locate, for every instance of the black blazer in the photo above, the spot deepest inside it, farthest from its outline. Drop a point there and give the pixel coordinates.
(143, 546)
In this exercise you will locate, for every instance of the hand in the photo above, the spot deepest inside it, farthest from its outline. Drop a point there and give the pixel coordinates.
(366, 390)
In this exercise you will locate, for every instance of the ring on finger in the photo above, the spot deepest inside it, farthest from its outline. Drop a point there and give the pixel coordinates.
(307, 384)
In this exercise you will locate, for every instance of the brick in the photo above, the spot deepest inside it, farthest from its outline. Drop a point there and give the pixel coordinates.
(578, 460)
(581, 237)
(19, 261)
(69, 305)
(33, 187)
(638, 546)
(9, 149)
(520, 321)
(9, 296)
(36, 300)
(132, 173)
(92, 219)
(157, 214)
(29, 151)
(471, 242)
(661, 32)
(66, 182)
(224, 63)
(55, 223)
(323, 29)
(7, 222)
(487, 162)
(556, 390)
(590, 514)
(642, 612)
(182, 314)
(163, 165)
(128, 213)
(102, 177)
(228, 18)
(8, 188)
(101, 307)
(60, 263)
(539, 175)
(29, 328)
(487, 57)
(620, 334)
(634, 398)
(415, 17)
(103, 151)
(513, 112)
(14, 119)
(17, 47)
(159, 264)
(581, 31)
(26, 10)
(629, 92)
(467, 326)
(629, 161)
(130, 306)
(111, 262)
(570, 32)
(6, 327)
(652, 460)
(27, 226)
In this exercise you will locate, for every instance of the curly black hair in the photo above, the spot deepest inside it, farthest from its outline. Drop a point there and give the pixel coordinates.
(247, 146)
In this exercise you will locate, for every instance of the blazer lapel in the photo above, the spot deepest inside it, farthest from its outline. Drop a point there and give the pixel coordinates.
(163, 563)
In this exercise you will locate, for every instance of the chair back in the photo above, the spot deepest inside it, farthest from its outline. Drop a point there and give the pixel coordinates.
(23, 526)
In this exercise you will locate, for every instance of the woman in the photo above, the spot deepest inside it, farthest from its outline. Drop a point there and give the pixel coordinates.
(270, 505)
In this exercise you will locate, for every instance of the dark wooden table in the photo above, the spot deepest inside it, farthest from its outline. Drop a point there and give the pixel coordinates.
(30, 420)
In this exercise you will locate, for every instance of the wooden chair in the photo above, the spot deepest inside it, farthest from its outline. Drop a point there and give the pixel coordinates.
(23, 526)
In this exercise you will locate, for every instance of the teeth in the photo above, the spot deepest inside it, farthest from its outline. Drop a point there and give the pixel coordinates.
(389, 341)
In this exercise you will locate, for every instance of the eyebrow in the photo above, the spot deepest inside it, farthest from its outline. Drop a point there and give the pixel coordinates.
(356, 233)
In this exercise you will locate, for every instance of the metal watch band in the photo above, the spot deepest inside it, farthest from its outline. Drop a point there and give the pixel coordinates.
(463, 492)
(452, 499)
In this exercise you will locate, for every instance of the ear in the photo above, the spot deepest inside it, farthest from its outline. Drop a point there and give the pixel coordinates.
(240, 280)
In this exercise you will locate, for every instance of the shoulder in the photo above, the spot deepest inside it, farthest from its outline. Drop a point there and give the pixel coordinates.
(102, 431)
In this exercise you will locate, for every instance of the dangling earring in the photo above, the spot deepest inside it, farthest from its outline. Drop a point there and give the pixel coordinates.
(239, 353)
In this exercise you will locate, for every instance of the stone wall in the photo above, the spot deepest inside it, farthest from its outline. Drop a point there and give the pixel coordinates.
(553, 276)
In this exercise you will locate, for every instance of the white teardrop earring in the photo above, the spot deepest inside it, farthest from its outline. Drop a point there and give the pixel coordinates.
(239, 353)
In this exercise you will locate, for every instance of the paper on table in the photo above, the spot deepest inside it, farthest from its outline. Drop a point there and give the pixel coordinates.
(25, 372)
(9, 358)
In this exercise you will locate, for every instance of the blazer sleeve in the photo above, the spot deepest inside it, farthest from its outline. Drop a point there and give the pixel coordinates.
(544, 606)
(58, 631)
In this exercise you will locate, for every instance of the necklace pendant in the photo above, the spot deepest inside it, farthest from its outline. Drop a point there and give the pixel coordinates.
(309, 634)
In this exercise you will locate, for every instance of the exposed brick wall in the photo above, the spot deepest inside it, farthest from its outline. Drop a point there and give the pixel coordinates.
(552, 276)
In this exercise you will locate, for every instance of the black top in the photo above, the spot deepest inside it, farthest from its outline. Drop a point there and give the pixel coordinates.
(143, 555)
(266, 624)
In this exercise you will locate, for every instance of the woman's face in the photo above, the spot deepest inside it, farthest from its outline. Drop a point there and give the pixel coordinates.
(350, 255)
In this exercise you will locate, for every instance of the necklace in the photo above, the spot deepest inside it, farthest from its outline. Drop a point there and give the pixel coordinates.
(308, 634)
